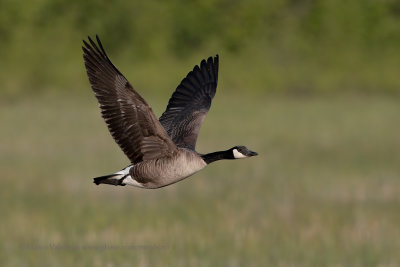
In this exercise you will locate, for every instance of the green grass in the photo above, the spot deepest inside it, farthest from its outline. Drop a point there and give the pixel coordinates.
(324, 190)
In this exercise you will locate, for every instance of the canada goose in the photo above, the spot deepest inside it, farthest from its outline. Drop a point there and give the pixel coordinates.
(162, 152)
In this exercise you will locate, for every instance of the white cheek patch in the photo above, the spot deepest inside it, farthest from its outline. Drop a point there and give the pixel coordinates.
(238, 155)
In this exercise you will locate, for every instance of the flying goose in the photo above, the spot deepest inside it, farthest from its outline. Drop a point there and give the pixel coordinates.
(162, 152)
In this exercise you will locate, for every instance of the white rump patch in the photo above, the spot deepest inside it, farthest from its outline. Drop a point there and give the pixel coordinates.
(238, 155)
(124, 170)
(129, 181)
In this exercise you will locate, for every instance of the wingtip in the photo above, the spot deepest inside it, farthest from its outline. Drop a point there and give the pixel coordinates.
(214, 60)
(213, 57)
(92, 42)
(98, 39)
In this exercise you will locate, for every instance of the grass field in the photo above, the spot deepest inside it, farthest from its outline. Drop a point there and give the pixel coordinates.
(324, 190)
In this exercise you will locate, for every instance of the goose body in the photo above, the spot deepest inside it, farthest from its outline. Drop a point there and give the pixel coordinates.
(157, 173)
(162, 152)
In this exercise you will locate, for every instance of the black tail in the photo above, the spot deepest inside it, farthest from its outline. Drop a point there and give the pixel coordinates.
(113, 179)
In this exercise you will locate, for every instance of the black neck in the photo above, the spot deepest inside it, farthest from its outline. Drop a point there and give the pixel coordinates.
(211, 157)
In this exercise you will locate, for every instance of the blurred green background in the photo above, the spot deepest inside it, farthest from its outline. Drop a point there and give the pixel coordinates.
(266, 46)
(312, 86)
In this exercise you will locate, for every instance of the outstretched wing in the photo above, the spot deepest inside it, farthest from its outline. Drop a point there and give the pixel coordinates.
(189, 104)
(130, 120)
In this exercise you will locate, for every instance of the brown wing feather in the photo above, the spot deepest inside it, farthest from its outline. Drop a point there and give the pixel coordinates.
(190, 103)
(130, 120)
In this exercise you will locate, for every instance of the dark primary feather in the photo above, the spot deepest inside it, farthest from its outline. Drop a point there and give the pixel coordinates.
(129, 118)
(190, 103)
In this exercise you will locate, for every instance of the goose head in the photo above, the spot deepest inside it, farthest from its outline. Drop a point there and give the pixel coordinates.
(241, 152)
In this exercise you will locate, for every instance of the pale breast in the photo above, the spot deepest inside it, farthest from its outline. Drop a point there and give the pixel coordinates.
(165, 171)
